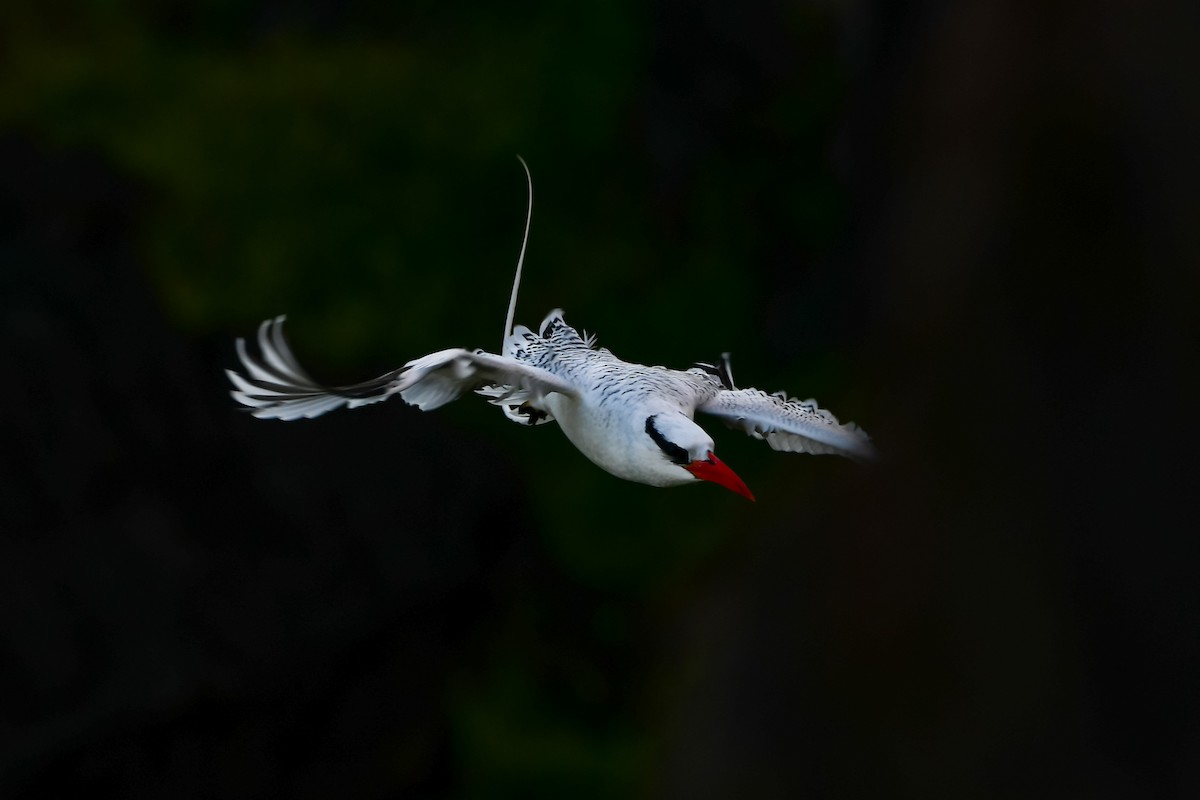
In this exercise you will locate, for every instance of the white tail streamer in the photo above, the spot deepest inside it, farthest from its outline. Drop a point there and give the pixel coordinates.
(512, 301)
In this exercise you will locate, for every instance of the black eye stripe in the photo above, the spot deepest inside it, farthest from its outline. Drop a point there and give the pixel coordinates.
(672, 451)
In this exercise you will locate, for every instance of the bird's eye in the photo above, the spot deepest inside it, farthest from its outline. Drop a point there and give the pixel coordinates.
(672, 451)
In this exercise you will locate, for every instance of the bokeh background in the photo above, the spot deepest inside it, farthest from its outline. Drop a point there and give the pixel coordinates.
(971, 227)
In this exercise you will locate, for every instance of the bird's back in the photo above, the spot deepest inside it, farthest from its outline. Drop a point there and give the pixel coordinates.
(603, 379)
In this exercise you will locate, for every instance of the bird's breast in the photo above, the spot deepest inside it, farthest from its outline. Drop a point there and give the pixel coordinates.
(608, 425)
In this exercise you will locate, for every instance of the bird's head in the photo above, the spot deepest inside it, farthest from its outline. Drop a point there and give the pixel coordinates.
(685, 446)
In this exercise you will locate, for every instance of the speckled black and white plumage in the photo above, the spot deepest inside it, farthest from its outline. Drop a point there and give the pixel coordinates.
(632, 420)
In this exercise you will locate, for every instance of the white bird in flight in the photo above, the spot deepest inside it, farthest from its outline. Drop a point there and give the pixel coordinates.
(633, 421)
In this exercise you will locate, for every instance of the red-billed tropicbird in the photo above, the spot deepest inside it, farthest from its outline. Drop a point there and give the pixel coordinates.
(630, 420)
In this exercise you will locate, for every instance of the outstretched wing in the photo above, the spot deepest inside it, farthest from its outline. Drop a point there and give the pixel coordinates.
(788, 424)
(276, 387)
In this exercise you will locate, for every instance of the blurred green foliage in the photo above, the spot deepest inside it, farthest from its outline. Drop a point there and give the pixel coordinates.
(363, 179)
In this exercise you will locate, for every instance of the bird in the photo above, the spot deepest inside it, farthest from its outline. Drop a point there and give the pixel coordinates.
(633, 421)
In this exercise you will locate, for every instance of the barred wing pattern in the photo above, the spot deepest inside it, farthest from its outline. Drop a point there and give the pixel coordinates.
(275, 386)
(788, 424)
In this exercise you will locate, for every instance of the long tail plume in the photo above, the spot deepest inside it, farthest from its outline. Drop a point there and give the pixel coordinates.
(512, 301)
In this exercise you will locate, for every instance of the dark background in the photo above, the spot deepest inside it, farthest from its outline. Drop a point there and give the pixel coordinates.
(971, 227)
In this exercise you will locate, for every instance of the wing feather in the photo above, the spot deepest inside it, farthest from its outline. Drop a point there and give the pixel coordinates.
(789, 425)
(275, 386)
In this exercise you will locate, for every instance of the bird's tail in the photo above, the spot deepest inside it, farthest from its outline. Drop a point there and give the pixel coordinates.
(512, 300)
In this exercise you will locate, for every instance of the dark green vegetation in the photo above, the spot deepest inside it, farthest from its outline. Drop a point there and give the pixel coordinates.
(971, 232)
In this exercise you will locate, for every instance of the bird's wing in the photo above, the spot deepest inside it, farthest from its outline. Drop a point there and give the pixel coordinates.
(276, 387)
(788, 424)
